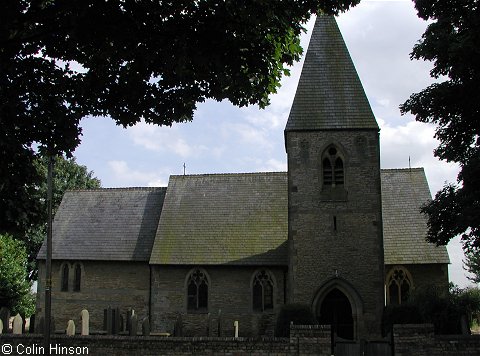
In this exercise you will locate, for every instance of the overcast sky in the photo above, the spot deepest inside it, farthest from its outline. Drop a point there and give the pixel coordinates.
(223, 138)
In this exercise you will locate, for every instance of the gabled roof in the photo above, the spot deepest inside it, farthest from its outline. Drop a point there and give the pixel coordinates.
(404, 191)
(222, 219)
(329, 94)
(106, 224)
(233, 219)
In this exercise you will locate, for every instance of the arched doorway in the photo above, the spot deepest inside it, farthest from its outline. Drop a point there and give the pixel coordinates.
(335, 310)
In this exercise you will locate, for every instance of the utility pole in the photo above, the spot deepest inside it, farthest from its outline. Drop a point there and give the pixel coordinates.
(48, 263)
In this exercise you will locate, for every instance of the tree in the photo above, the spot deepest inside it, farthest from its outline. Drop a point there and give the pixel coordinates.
(472, 264)
(451, 41)
(146, 60)
(67, 175)
(15, 289)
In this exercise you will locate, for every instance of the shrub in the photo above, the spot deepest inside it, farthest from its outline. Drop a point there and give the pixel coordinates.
(298, 314)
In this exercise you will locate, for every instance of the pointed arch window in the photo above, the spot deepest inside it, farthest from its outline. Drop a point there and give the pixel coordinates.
(262, 291)
(77, 278)
(399, 285)
(332, 168)
(64, 279)
(197, 291)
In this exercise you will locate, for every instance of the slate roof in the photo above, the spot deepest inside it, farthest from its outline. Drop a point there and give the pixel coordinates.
(106, 224)
(404, 191)
(222, 219)
(232, 219)
(329, 94)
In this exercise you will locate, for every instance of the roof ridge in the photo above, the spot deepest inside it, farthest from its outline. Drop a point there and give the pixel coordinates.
(102, 189)
(226, 174)
(402, 169)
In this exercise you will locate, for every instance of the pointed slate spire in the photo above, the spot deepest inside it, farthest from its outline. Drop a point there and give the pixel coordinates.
(329, 94)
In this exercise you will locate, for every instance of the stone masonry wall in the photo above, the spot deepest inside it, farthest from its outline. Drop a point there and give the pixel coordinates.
(353, 251)
(426, 274)
(419, 340)
(409, 340)
(304, 340)
(229, 299)
(103, 284)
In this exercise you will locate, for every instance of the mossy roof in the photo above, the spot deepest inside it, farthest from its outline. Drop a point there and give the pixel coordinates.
(404, 191)
(329, 94)
(106, 224)
(222, 219)
(233, 219)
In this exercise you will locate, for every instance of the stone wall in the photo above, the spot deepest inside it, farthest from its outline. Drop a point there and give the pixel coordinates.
(303, 341)
(103, 284)
(426, 274)
(229, 299)
(409, 340)
(419, 340)
(335, 234)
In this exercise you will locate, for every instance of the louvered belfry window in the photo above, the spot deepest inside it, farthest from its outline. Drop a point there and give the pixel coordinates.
(332, 167)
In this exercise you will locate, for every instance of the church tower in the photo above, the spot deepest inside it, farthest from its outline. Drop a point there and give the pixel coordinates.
(336, 260)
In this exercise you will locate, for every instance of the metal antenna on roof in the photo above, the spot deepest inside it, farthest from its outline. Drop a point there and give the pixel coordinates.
(184, 168)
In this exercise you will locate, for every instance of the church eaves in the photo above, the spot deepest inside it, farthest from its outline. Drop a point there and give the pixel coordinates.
(329, 95)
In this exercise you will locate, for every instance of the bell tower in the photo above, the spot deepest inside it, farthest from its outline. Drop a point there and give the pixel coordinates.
(335, 236)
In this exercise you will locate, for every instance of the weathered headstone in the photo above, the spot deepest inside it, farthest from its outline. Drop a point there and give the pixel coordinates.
(116, 321)
(235, 326)
(17, 324)
(130, 313)
(107, 320)
(146, 327)
(133, 325)
(85, 322)
(1, 326)
(5, 317)
(71, 328)
(41, 325)
(31, 327)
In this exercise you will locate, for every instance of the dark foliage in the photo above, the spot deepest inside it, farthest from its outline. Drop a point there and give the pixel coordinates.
(451, 42)
(444, 309)
(298, 314)
(61, 60)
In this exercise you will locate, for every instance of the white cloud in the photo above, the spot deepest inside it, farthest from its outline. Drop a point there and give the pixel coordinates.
(164, 139)
(414, 140)
(124, 176)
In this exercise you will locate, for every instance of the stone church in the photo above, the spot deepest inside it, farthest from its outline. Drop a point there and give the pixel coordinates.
(334, 232)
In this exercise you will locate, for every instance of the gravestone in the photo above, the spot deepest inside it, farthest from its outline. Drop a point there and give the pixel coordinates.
(5, 317)
(235, 326)
(31, 327)
(133, 325)
(71, 328)
(130, 313)
(85, 322)
(107, 320)
(116, 321)
(145, 327)
(1, 326)
(17, 324)
(41, 325)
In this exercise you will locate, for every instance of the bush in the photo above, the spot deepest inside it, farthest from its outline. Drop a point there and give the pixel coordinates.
(298, 314)
(444, 309)
(400, 314)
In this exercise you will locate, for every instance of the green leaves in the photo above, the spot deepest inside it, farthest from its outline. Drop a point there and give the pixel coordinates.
(15, 290)
(451, 42)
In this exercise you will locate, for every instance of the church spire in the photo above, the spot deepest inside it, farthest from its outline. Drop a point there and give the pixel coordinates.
(329, 95)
